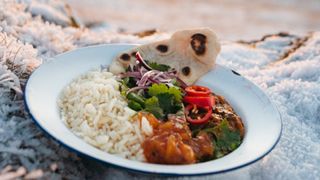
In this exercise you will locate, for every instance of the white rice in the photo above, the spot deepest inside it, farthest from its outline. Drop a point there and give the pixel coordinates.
(93, 108)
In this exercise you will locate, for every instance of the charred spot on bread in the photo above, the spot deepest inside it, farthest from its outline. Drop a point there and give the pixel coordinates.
(162, 48)
(133, 54)
(125, 57)
(186, 70)
(198, 43)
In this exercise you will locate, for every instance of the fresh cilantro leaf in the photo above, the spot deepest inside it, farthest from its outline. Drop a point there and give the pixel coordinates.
(166, 102)
(226, 139)
(167, 99)
(152, 106)
(159, 67)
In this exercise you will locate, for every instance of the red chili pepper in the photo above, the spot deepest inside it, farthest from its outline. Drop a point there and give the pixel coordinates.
(200, 119)
(198, 91)
(200, 101)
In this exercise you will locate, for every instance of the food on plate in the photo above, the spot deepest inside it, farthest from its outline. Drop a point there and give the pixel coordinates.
(191, 52)
(147, 112)
(93, 108)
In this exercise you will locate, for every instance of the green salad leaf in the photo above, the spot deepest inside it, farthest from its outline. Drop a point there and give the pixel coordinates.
(163, 100)
(168, 103)
(152, 105)
(176, 93)
(157, 89)
(159, 67)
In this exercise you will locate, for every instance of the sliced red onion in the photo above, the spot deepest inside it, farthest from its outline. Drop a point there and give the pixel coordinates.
(143, 63)
(136, 88)
(145, 75)
(182, 84)
(157, 75)
(144, 78)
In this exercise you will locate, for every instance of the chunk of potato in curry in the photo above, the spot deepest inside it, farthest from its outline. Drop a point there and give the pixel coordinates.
(172, 143)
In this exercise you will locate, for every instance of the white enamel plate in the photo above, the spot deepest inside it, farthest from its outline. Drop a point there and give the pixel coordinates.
(261, 119)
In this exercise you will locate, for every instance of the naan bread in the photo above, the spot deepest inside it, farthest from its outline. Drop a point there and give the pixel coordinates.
(191, 52)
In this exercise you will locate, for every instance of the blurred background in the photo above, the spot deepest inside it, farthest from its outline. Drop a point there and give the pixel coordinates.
(231, 19)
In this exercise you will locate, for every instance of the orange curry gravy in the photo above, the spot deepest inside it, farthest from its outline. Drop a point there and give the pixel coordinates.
(172, 143)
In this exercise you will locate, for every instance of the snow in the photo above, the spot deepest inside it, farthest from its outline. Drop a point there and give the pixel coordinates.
(286, 67)
(49, 13)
